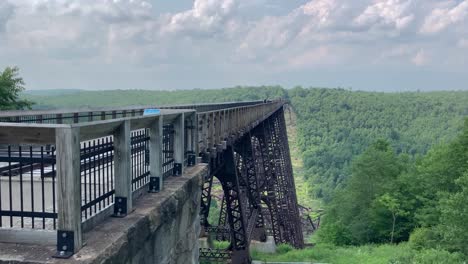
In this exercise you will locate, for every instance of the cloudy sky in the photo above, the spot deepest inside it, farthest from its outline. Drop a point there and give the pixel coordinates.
(383, 45)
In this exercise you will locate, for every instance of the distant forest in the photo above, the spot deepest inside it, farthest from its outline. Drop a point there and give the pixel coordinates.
(51, 99)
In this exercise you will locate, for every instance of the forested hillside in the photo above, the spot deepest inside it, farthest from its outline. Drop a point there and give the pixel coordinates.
(336, 125)
(48, 99)
(391, 168)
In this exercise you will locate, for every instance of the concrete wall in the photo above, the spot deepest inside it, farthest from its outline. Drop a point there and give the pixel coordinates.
(164, 228)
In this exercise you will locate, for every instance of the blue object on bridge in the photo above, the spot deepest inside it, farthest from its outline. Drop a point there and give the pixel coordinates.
(151, 112)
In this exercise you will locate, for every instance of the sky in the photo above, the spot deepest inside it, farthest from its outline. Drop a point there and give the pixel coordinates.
(378, 45)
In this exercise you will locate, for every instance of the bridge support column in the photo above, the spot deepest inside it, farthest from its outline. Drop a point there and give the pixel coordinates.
(235, 202)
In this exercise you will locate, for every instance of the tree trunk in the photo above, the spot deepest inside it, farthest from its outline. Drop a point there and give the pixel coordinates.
(393, 228)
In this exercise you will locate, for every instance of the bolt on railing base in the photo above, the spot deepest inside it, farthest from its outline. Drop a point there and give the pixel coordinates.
(65, 244)
(177, 171)
(191, 159)
(154, 186)
(120, 207)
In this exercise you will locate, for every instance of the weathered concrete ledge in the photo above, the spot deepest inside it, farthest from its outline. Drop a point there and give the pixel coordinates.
(164, 228)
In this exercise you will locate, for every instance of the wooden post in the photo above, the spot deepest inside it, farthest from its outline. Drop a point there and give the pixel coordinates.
(179, 145)
(190, 134)
(195, 134)
(122, 166)
(211, 131)
(59, 118)
(217, 128)
(192, 141)
(67, 141)
(156, 155)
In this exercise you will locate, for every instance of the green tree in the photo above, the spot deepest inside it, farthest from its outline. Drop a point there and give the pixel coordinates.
(394, 206)
(354, 207)
(10, 87)
(453, 225)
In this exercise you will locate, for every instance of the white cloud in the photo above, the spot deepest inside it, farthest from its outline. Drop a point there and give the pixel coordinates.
(386, 13)
(440, 18)
(320, 10)
(420, 58)
(206, 16)
(216, 34)
(110, 11)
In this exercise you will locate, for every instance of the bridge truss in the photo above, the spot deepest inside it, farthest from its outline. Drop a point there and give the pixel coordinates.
(259, 196)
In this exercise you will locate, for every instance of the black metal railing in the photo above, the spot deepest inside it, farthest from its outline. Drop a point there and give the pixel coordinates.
(140, 158)
(28, 187)
(97, 176)
(168, 150)
(71, 117)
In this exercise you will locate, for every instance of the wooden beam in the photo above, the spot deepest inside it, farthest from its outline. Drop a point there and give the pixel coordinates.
(14, 133)
(122, 166)
(179, 130)
(98, 129)
(69, 183)
(156, 151)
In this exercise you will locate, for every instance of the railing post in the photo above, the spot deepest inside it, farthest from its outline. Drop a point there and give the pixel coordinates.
(217, 128)
(122, 166)
(195, 139)
(69, 238)
(156, 155)
(211, 131)
(191, 140)
(179, 145)
(59, 118)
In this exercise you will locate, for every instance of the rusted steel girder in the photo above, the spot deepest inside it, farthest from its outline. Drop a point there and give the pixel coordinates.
(259, 192)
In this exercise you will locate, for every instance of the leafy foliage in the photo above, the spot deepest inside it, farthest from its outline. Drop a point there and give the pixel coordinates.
(10, 87)
(425, 200)
(336, 125)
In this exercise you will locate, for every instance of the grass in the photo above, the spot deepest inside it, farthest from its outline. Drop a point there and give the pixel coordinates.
(370, 254)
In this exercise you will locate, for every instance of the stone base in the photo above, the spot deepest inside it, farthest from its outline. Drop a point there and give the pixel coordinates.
(164, 228)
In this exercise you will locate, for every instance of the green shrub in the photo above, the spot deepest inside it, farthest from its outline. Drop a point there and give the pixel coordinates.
(423, 237)
(283, 248)
(221, 244)
(334, 233)
(437, 256)
(401, 253)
